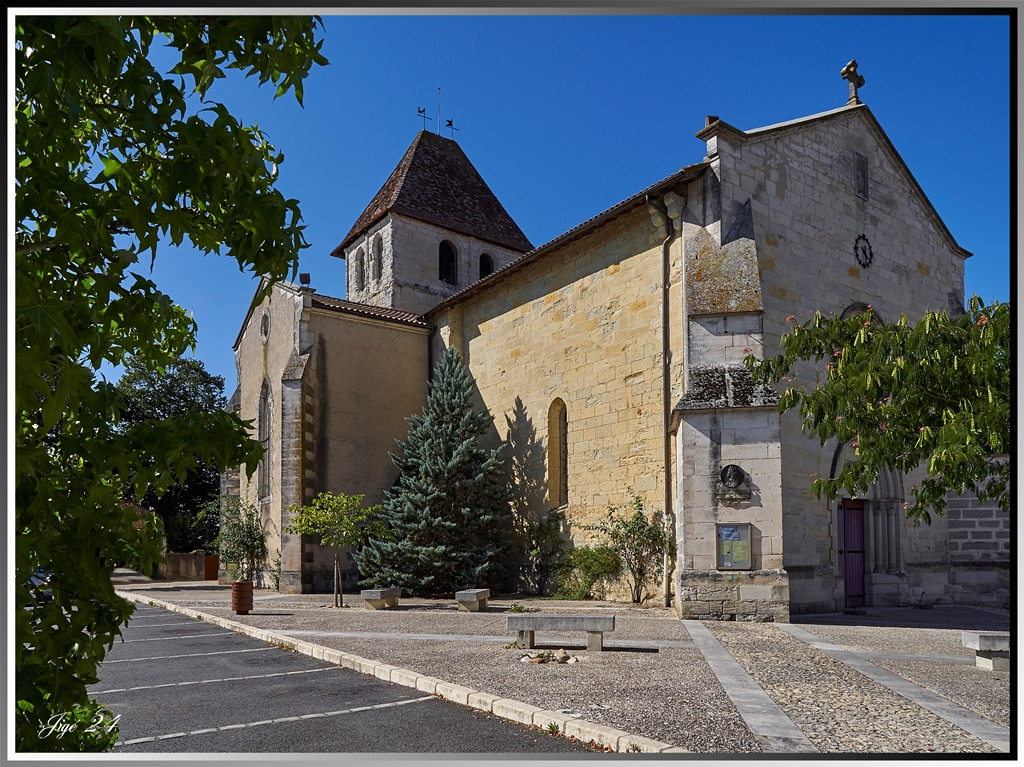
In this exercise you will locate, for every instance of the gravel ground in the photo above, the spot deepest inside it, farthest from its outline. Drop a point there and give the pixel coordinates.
(839, 709)
(984, 692)
(888, 639)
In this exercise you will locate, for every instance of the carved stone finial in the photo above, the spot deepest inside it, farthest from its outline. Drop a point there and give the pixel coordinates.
(849, 72)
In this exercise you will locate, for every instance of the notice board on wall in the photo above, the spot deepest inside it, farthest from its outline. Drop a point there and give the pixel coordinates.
(732, 543)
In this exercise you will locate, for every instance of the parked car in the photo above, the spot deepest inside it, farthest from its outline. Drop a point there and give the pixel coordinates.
(39, 584)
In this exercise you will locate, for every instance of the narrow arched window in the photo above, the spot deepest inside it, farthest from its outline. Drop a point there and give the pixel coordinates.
(263, 436)
(446, 263)
(558, 455)
(378, 253)
(358, 275)
(486, 265)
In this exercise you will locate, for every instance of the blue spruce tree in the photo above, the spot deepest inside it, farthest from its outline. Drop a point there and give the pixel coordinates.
(449, 509)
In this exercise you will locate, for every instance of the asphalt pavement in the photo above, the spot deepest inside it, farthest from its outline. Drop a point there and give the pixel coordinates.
(182, 685)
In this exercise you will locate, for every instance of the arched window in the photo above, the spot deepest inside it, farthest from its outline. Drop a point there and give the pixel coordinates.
(263, 436)
(486, 265)
(857, 308)
(378, 252)
(558, 455)
(446, 263)
(358, 278)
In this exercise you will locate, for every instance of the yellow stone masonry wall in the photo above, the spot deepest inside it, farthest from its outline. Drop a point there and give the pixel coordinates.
(582, 324)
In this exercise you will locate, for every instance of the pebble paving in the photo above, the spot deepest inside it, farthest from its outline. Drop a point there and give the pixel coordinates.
(839, 709)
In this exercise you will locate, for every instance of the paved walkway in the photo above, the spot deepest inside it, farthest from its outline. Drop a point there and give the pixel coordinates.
(830, 685)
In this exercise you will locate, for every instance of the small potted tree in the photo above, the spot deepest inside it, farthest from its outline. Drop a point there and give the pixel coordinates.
(243, 544)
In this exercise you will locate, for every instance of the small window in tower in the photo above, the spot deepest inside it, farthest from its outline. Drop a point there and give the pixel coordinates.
(356, 263)
(446, 263)
(860, 163)
(486, 265)
(378, 251)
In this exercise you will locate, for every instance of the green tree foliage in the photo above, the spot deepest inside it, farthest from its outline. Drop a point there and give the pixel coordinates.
(584, 569)
(243, 538)
(937, 394)
(339, 520)
(184, 387)
(640, 542)
(108, 163)
(538, 530)
(449, 509)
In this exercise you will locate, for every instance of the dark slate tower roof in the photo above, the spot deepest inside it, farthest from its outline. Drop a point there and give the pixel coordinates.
(436, 183)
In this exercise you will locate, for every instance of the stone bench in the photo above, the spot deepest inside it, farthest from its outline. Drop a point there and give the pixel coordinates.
(473, 600)
(378, 599)
(991, 649)
(594, 625)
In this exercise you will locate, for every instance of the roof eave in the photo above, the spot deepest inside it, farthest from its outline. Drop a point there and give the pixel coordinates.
(686, 174)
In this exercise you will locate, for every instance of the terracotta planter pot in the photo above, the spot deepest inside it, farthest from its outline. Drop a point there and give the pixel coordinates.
(241, 597)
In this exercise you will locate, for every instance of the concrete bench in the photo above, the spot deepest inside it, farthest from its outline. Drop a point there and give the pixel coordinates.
(473, 600)
(594, 625)
(991, 649)
(378, 599)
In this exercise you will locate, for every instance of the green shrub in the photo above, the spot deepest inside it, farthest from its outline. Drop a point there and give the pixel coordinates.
(639, 542)
(243, 539)
(584, 568)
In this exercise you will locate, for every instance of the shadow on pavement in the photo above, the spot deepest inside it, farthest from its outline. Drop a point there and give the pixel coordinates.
(961, 617)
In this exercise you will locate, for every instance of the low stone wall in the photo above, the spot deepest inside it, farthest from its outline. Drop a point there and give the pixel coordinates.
(186, 567)
(740, 595)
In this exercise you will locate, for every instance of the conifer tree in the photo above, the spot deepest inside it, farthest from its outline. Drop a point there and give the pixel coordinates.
(449, 509)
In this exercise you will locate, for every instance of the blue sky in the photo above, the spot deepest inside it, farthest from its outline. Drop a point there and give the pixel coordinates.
(564, 116)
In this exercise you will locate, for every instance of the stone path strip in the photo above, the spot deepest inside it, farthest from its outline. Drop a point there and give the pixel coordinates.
(983, 729)
(771, 726)
(513, 710)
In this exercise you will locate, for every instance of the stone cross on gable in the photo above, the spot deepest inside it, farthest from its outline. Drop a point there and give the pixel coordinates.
(849, 72)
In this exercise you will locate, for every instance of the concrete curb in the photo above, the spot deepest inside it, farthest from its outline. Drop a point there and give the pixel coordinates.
(512, 710)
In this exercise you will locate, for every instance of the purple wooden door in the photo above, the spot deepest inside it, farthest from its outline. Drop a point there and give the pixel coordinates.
(851, 550)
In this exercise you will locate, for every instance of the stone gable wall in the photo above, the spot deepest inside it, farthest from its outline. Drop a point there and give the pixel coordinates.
(806, 219)
(257, 361)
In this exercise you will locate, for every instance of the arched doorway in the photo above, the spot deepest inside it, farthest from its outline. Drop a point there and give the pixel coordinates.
(869, 540)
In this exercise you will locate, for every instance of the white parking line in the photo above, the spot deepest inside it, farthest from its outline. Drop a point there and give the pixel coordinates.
(274, 721)
(208, 681)
(189, 655)
(136, 625)
(188, 636)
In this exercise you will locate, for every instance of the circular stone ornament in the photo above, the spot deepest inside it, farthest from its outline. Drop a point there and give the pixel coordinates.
(862, 249)
(733, 476)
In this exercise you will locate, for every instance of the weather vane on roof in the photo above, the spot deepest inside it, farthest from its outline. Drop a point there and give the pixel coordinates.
(422, 112)
(849, 72)
(448, 124)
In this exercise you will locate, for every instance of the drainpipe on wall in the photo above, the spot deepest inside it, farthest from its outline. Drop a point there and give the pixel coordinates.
(661, 209)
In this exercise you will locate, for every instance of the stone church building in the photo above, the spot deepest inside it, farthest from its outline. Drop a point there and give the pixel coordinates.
(619, 345)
